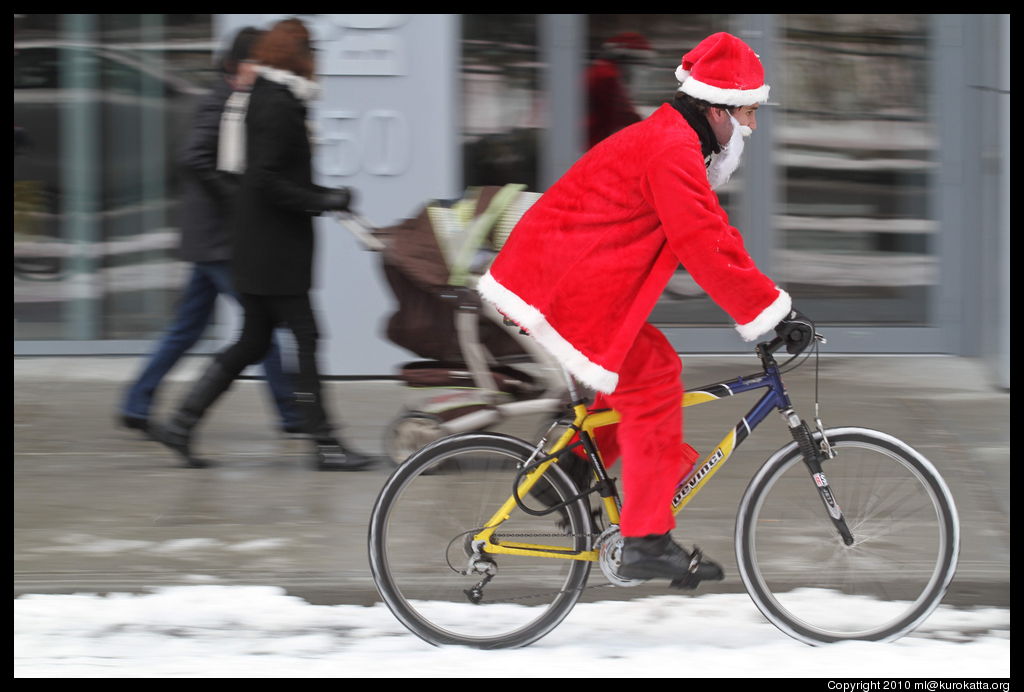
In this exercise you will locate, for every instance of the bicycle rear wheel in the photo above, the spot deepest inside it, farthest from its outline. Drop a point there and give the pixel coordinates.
(422, 557)
(815, 588)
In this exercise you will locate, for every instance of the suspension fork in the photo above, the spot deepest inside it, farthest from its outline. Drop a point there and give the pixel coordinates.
(812, 459)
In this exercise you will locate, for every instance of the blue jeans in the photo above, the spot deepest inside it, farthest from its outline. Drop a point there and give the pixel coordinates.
(208, 280)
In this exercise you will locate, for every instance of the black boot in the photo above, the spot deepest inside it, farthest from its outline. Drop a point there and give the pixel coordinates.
(330, 455)
(659, 557)
(177, 434)
(177, 438)
(134, 423)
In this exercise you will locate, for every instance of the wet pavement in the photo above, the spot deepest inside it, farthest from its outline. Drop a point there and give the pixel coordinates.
(99, 509)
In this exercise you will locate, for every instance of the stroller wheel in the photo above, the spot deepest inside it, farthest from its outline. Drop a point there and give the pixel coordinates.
(410, 432)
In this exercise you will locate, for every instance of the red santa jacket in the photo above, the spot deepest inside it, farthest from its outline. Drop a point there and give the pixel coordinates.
(586, 264)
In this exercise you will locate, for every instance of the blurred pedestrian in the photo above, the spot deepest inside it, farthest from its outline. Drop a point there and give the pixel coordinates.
(272, 253)
(205, 243)
(609, 102)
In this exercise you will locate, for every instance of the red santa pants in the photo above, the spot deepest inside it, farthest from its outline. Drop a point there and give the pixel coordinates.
(649, 437)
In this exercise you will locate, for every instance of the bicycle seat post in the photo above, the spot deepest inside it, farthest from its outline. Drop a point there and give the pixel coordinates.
(574, 392)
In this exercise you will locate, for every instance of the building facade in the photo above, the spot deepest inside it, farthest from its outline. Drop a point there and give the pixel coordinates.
(875, 190)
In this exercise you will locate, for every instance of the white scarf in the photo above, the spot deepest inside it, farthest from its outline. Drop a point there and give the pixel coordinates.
(305, 90)
(724, 163)
(231, 145)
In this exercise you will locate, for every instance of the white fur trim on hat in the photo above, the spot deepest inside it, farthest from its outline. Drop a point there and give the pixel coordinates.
(725, 97)
(532, 320)
(768, 319)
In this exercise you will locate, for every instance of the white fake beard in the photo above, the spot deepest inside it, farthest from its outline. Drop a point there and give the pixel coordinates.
(725, 163)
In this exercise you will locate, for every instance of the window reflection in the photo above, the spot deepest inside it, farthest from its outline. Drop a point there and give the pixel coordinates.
(502, 105)
(101, 103)
(855, 146)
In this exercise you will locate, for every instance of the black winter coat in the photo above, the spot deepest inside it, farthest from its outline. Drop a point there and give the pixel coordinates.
(273, 226)
(205, 195)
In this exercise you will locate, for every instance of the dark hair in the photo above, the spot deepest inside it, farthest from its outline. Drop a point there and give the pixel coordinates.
(696, 113)
(286, 46)
(241, 49)
(687, 101)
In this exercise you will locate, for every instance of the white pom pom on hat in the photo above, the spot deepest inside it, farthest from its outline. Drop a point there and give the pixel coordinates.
(723, 70)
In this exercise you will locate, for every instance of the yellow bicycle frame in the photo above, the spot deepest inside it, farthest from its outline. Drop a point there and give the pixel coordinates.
(588, 421)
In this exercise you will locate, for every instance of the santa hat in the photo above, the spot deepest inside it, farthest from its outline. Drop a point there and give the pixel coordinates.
(628, 44)
(723, 70)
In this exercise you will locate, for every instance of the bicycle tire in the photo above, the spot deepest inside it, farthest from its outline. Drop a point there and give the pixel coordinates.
(419, 538)
(812, 586)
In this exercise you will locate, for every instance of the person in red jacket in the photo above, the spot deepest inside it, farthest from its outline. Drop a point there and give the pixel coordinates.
(609, 105)
(586, 264)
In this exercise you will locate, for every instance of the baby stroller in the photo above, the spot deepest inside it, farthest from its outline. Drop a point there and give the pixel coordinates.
(476, 372)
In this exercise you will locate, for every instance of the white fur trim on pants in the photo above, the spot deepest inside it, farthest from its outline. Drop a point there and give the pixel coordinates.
(768, 319)
(532, 320)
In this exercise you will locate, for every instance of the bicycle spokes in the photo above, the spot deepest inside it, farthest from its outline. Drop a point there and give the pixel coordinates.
(881, 581)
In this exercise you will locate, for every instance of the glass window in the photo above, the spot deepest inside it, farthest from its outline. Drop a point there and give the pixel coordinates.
(855, 146)
(502, 104)
(641, 51)
(101, 105)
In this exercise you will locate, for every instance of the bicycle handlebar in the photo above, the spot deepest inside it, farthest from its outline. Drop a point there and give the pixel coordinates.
(773, 345)
(778, 342)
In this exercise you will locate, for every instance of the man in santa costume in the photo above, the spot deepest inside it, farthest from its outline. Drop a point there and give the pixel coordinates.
(587, 263)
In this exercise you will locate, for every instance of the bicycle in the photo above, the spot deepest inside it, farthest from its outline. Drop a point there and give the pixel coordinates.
(866, 552)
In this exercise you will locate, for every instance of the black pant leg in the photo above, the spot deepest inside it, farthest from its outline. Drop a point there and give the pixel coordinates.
(253, 343)
(296, 313)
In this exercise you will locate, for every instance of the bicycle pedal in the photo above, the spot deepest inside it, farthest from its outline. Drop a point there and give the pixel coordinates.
(687, 583)
(698, 571)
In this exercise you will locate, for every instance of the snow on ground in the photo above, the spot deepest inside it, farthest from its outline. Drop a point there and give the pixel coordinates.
(243, 632)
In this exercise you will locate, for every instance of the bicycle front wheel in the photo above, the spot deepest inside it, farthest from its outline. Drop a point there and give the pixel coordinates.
(442, 586)
(807, 581)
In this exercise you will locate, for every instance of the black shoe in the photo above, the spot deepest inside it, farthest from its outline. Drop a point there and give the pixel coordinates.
(135, 423)
(177, 435)
(331, 455)
(295, 430)
(659, 557)
(179, 441)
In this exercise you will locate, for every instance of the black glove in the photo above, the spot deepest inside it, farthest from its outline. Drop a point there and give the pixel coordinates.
(796, 331)
(337, 199)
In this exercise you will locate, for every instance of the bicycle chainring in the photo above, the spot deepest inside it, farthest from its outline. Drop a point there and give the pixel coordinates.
(610, 557)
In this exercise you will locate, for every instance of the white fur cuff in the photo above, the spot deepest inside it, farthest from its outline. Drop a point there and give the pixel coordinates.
(768, 319)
